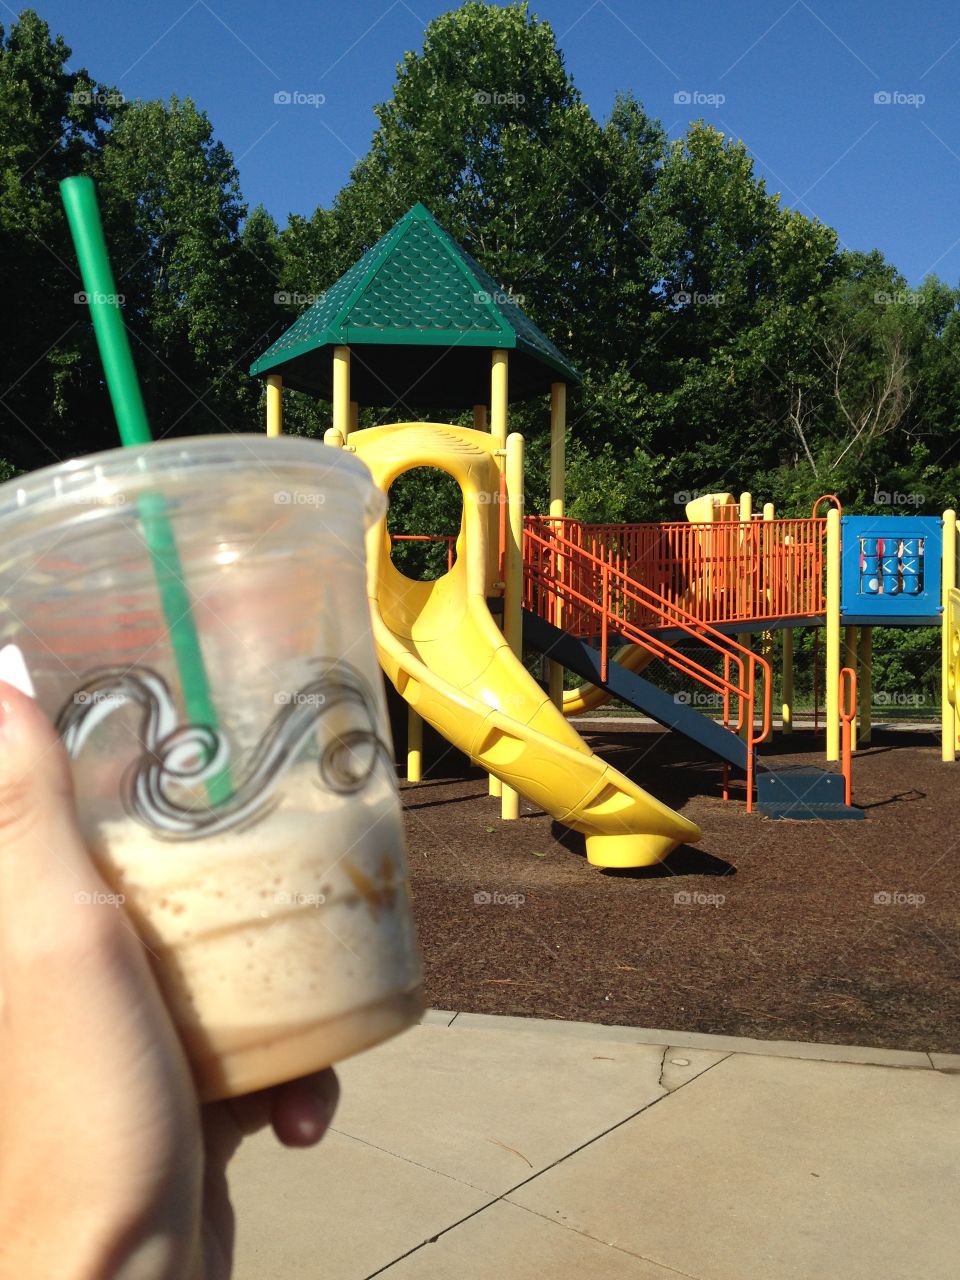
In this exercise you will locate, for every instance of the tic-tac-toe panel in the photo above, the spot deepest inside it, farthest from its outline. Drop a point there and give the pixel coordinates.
(891, 566)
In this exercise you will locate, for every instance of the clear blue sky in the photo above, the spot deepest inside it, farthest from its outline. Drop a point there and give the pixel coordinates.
(798, 80)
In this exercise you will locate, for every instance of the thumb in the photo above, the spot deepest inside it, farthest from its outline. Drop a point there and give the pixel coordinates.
(98, 1116)
(74, 976)
(46, 873)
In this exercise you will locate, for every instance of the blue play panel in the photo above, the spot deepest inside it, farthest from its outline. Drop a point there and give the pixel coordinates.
(890, 567)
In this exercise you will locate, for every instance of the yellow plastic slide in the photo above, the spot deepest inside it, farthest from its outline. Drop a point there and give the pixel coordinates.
(442, 649)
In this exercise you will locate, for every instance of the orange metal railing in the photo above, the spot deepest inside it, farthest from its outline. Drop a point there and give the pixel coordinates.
(449, 539)
(601, 600)
(727, 571)
(827, 497)
(848, 710)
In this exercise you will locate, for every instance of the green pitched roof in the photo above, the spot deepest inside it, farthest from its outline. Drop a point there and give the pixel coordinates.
(421, 317)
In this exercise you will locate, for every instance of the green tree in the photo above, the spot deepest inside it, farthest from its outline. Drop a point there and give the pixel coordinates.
(684, 290)
(199, 288)
(723, 340)
(876, 417)
(486, 128)
(198, 282)
(741, 282)
(51, 123)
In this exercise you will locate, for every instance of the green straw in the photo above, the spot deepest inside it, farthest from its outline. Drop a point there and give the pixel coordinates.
(80, 202)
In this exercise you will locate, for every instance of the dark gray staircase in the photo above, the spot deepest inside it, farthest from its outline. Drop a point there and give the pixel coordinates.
(585, 661)
(797, 792)
(803, 793)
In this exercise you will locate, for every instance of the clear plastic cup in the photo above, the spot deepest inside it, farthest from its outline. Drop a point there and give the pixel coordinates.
(258, 847)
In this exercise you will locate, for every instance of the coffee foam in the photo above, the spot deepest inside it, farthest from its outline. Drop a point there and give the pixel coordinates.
(262, 934)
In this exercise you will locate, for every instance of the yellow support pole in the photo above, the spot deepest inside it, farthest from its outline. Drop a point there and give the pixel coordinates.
(513, 566)
(558, 476)
(745, 638)
(786, 697)
(480, 417)
(769, 514)
(341, 390)
(558, 445)
(712, 580)
(746, 506)
(767, 639)
(833, 635)
(498, 397)
(865, 685)
(499, 400)
(333, 438)
(274, 404)
(513, 580)
(948, 714)
(414, 746)
(555, 683)
(850, 660)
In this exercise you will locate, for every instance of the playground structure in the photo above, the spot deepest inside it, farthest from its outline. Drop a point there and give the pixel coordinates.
(416, 319)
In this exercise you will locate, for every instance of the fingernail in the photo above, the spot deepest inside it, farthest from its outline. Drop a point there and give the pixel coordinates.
(310, 1129)
(326, 1090)
(13, 670)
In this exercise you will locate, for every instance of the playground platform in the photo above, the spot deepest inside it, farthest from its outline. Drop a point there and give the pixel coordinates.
(485, 1147)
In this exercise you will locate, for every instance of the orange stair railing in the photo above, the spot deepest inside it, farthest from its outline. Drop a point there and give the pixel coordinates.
(597, 598)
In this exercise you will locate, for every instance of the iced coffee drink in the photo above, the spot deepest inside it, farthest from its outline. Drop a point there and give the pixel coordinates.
(256, 842)
(276, 956)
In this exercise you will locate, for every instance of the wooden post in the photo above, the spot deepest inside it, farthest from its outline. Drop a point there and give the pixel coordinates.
(480, 417)
(354, 415)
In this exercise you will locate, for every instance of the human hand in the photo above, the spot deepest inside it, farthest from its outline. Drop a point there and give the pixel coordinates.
(109, 1167)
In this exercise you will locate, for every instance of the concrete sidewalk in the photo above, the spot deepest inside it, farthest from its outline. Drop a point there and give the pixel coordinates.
(485, 1148)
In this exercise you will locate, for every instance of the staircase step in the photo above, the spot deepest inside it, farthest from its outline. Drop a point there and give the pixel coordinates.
(804, 793)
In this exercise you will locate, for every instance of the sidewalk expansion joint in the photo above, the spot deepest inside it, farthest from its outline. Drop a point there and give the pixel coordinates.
(532, 1178)
(801, 1050)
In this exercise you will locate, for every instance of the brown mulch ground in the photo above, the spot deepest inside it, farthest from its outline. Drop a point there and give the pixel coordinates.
(790, 944)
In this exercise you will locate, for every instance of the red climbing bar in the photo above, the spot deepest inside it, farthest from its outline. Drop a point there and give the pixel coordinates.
(848, 710)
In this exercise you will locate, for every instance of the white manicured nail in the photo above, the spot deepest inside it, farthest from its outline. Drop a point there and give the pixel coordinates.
(14, 671)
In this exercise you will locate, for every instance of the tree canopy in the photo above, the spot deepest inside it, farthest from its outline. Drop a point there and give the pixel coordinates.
(725, 340)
